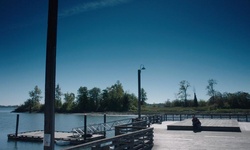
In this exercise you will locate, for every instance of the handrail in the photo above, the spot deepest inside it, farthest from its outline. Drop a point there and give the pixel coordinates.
(101, 127)
(142, 138)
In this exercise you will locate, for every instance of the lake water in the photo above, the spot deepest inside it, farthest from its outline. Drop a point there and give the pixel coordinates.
(35, 121)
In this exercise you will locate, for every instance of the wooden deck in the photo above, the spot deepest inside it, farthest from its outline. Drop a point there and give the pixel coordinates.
(37, 136)
(206, 140)
(229, 125)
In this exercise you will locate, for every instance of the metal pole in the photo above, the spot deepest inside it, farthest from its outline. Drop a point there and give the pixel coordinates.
(49, 115)
(17, 124)
(139, 94)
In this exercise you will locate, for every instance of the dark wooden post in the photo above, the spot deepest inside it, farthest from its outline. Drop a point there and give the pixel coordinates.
(50, 75)
(85, 127)
(104, 120)
(17, 124)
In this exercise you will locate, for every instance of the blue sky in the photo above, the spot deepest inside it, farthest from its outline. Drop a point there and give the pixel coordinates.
(102, 41)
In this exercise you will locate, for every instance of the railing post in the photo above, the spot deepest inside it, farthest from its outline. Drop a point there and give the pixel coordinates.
(180, 117)
(17, 124)
(104, 120)
(173, 117)
(117, 130)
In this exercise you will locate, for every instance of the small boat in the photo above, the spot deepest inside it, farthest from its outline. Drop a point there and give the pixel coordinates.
(62, 142)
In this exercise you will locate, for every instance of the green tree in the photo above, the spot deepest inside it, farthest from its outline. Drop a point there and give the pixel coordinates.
(184, 85)
(143, 96)
(167, 103)
(113, 98)
(58, 99)
(133, 102)
(177, 103)
(95, 96)
(116, 93)
(82, 100)
(125, 102)
(202, 103)
(68, 105)
(195, 100)
(105, 100)
(33, 102)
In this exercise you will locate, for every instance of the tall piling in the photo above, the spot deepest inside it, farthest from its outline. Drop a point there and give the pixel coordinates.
(17, 124)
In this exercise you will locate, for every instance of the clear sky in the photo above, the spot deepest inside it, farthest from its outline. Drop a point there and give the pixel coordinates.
(102, 41)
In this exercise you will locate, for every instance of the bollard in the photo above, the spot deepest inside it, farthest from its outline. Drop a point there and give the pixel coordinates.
(17, 124)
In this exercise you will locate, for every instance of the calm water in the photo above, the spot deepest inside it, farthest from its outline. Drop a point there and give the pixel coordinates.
(30, 122)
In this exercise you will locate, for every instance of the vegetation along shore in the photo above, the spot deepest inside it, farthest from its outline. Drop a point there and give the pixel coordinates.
(114, 99)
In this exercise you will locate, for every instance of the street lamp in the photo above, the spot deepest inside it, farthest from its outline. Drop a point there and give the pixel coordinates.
(139, 90)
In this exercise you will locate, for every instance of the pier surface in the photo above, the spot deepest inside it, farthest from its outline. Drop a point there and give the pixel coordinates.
(204, 140)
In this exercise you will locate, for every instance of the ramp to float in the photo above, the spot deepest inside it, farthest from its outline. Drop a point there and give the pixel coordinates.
(227, 125)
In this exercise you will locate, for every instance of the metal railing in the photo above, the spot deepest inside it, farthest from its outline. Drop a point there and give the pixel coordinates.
(100, 127)
(141, 139)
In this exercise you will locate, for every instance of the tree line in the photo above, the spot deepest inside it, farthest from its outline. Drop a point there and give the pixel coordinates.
(113, 98)
(217, 99)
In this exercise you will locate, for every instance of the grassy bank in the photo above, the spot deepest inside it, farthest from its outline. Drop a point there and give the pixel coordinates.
(156, 109)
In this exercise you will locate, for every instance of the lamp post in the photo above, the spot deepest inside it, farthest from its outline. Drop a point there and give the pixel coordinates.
(139, 90)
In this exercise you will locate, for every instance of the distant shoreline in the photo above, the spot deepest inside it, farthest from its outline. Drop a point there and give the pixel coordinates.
(8, 106)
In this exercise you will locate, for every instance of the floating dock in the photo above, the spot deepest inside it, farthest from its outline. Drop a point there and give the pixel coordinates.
(229, 125)
(37, 136)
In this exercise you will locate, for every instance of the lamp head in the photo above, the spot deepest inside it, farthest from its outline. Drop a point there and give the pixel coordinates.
(142, 67)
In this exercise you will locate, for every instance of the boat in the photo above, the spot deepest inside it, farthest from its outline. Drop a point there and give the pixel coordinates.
(62, 142)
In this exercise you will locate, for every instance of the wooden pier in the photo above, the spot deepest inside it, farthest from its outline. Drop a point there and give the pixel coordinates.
(37, 136)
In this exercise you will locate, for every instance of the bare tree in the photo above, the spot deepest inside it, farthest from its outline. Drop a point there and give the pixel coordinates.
(210, 88)
(183, 91)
